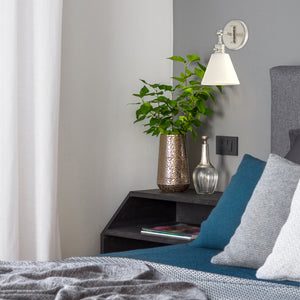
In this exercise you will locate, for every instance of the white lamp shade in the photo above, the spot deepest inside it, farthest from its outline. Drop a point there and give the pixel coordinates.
(220, 71)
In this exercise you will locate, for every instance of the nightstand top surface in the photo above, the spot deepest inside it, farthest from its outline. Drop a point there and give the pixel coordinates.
(189, 196)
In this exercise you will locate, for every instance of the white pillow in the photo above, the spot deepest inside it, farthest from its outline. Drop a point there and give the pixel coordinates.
(284, 261)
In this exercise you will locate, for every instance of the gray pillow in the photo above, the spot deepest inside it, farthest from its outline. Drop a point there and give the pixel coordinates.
(265, 214)
(293, 134)
(294, 153)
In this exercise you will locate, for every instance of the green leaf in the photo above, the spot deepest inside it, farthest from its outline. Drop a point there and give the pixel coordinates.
(175, 131)
(142, 80)
(177, 58)
(208, 112)
(145, 108)
(195, 82)
(182, 96)
(201, 107)
(163, 131)
(207, 88)
(155, 94)
(139, 119)
(137, 95)
(199, 73)
(188, 90)
(164, 110)
(165, 124)
(201, 67)
(173, 103)
(195, 87)
(156, 110)
(212, 97)
(182, 80)
(134, 103)
(219, 87)
(185, 107)
(175, 111)
(154, 121)
(154, 86)
(197, 123)
(202, 95)
(177, 123)
(155, 132)
(176, 86)
(165, 87)
(163, 99)
(194, 134)
(144, 90)
(192, 57)
(149, 130)
(138, 113)
(207, 93)
(194, 100)
(189, 72)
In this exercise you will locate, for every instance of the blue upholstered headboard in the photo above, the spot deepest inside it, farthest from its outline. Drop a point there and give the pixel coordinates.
(285, 112)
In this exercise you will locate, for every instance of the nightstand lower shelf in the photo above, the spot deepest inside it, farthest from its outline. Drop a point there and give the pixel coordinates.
(151, 207)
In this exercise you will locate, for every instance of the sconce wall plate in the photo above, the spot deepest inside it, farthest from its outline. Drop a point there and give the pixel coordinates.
(235, 34)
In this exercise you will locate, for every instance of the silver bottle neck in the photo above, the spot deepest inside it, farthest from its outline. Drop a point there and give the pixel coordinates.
(205, 152)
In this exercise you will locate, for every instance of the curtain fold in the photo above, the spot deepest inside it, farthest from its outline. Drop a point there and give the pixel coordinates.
(30, 37)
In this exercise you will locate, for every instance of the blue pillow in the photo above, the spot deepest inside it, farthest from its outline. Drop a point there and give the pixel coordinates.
(221, 224)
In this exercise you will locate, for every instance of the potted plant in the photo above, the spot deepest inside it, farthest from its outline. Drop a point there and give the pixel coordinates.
(172, 112)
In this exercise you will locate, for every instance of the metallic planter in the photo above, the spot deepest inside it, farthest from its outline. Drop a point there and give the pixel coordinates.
(173, 169)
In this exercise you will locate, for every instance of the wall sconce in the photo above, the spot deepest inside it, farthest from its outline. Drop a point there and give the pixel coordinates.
(220, 70)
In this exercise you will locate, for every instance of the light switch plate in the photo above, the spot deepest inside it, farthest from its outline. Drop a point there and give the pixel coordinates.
(227, 145)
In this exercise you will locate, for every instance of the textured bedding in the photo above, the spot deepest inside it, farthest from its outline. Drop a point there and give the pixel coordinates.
(87, 278)
(192, 264)
(125, 278)
(190, 257)
(221, 287)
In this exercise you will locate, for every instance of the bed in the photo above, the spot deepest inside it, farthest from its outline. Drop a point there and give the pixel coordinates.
(180, 271)
(226, 282)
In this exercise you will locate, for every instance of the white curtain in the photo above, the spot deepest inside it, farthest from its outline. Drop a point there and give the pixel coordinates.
(30, 42)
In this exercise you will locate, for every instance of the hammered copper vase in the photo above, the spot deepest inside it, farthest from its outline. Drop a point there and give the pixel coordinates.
(173, 169)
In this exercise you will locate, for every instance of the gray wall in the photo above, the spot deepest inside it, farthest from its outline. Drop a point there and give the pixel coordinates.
(244, 110)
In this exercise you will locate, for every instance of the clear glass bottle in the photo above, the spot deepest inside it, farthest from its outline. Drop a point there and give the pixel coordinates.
(205, 176)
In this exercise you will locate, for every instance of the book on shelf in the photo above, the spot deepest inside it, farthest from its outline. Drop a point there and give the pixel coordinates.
(176, 231)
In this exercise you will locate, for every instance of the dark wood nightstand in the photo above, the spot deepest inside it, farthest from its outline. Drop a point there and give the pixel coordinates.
(150, 207)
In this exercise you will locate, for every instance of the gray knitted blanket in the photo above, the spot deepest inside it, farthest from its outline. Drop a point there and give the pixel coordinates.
(90, 280)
